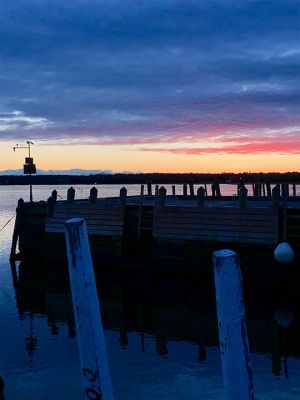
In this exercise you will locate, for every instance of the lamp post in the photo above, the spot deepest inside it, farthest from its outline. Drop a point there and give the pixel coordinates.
(29, 168)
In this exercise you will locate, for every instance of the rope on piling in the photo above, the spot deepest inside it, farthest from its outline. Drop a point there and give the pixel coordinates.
(6, 223)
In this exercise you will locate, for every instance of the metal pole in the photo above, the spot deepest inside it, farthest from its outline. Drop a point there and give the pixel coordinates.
(91, 342)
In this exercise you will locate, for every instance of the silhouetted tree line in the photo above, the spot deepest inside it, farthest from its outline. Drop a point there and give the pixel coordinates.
(155, 178)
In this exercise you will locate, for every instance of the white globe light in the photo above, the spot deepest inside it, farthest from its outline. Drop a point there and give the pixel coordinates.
(284, 253)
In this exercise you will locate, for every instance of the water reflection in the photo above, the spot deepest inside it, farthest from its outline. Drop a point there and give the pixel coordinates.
(180, 310)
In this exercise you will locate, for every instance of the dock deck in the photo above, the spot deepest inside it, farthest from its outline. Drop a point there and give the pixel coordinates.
(161, 225)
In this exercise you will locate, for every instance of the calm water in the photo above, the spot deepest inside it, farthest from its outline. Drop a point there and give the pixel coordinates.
(161, 335)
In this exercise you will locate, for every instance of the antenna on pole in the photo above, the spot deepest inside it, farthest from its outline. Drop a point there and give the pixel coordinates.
(29, 167)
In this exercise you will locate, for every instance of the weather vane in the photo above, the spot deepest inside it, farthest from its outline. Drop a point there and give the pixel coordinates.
(29, 168)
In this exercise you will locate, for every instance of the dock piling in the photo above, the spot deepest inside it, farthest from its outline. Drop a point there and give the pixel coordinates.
(93, 195)
(234, 346)
(243, 193)
(71, 195)
(162, 195)
(91, 343)
(50, 207)
(54, 195)
(149, 188)
(16, 229)
(200, 196)
(276, 196)
(123, 196)
(192, 192)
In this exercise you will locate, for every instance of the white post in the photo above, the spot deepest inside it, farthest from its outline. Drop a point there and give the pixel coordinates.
(234, 346)
(90, 336)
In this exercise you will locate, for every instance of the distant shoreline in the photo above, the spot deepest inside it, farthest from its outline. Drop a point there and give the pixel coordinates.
(155, 178)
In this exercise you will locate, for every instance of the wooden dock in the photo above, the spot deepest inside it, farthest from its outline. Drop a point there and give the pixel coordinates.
(161, 225)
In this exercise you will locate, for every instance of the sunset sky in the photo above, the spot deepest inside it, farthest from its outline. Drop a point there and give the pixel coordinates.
(151, 85)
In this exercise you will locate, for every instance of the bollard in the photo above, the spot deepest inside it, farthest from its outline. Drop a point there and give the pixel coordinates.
(93, 195)
(200, 196)
(234, 346)
(71, 195)
(162, 194)
(90, 336)
(123, 196)
(243, 193)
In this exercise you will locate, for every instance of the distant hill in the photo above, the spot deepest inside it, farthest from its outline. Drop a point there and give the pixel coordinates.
(74, 172)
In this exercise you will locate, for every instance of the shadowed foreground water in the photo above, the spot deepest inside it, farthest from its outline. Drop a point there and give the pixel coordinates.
(161, 332)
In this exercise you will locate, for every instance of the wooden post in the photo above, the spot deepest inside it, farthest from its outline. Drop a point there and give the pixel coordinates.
(184, 189)
(1, 388)
(253, 190)
(149, 188)
(200, 196)
(268, 187)
(173, 191)
(123, 196)
(156, 195)
(90, 336)
(264, 189)
(142, 191)
(140, 211)
(234, 346)
(93, 195)
(54, 195)
(218, 190)
(205, 187)
(294, 189)
(243, 193)
(276, 196)
(50, 207)
(191, 185)
(16, 232)
(71, 195)
(213, 190)
(162, 194)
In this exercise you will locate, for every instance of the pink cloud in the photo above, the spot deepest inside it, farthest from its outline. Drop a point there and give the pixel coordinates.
(286, 144)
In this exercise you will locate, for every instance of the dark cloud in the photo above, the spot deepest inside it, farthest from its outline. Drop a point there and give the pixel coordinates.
(143, 72)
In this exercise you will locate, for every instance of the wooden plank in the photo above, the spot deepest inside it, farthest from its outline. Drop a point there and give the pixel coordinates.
(112, 229)
(100, 232)
(213, 210)
(195, 224)
(219, 215)
(99, 221)
(213, 228)
(219, 234)
(213, 238)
